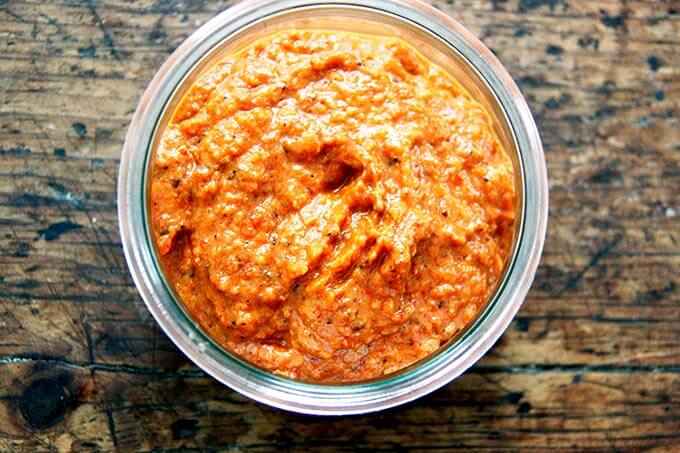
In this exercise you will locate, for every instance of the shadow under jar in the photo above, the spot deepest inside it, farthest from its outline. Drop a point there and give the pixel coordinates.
(443, 42)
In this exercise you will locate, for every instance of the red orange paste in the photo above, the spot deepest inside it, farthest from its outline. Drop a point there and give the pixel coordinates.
(331, 207)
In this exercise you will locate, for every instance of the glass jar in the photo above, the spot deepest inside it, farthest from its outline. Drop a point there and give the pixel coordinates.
(440, 39)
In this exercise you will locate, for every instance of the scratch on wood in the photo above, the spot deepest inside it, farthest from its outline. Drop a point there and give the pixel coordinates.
(105, 31)
(601, 253)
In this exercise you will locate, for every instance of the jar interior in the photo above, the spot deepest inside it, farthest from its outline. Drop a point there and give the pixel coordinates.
(364, 21)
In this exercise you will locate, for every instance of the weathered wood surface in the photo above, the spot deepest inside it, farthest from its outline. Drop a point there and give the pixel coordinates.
(592, 360)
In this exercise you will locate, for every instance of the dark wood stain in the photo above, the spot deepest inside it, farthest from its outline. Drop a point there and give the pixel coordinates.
(591, 362)
(654, 63)
(613, 21)
(552, 49)
(80, 129)
(55, 230)
(184, 429)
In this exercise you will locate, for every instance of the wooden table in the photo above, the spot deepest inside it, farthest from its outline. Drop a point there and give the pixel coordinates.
(591, 361)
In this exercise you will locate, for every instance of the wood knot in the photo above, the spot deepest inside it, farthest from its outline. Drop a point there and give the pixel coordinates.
(44, 402)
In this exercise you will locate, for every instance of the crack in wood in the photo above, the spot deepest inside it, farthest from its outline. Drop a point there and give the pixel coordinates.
(128, 369)
(112, 428)
(529, 368)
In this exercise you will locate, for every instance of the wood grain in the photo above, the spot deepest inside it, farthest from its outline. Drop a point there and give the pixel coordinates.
(592, 360)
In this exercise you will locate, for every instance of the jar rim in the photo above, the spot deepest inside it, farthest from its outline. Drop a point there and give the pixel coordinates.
(417, 380)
